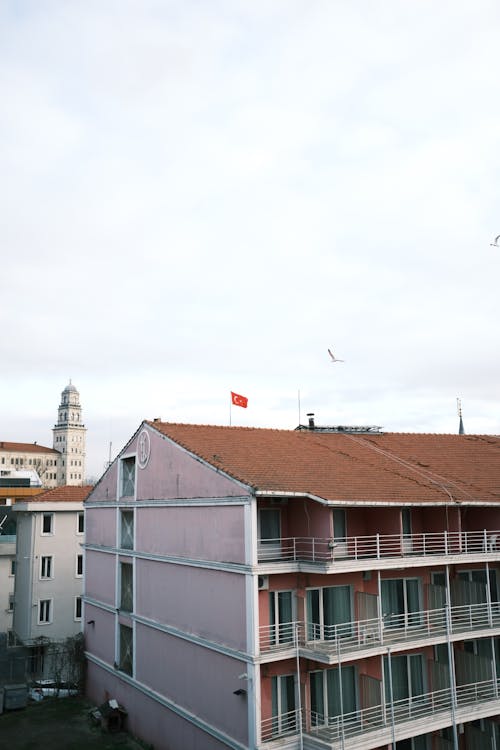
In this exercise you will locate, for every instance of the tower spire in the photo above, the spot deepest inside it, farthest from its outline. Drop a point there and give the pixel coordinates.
(461, 430)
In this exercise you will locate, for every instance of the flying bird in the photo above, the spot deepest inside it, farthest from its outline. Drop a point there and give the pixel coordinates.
(333, 357)
(495, 244)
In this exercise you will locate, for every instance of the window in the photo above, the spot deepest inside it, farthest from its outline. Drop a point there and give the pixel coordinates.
(12, 567)
(126, 649)
(280, 617)
(126, 587)
(127, 529)
(326, 702)
(127, 485)
(46, 566)
(407, 676)
(10, 607)
(78, 607)
(81, 523)
(44, 611)
(47, 523)
(329, 613)
(283, 704)
(401, 602)
(79, 565)
(269, 534)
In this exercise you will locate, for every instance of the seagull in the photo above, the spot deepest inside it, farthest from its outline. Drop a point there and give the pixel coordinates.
(334, 358)
(495, 244)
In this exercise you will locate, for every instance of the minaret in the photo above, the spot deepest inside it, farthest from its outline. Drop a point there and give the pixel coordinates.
(69, 438)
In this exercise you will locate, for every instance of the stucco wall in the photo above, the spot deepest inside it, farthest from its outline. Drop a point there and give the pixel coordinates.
(100, 572)
(202, 533)
(199, 679)
(147, 719)
(210, 603)
(100, 526)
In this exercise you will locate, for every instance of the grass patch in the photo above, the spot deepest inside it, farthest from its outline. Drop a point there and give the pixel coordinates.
(58, 724)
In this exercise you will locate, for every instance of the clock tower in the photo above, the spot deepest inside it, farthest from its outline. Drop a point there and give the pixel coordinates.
(69, 438)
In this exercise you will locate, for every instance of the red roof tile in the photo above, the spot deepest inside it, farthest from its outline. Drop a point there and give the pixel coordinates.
(390, 467)
(25, 448)
(65, 494)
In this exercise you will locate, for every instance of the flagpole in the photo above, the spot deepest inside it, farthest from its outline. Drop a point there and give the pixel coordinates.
(230, 404)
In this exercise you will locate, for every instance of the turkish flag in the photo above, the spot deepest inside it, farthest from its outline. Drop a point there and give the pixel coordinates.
(238, 400)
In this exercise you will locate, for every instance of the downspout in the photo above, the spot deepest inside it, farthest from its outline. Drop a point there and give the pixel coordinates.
(451, 661)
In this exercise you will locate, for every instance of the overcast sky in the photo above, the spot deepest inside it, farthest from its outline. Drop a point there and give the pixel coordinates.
(200, 197)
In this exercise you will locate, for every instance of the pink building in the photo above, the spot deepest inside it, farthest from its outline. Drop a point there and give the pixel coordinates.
(315, 588)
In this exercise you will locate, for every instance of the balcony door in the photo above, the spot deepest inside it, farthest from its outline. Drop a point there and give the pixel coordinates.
(326, 701)
(281, 617)
(408, 677)
(401, 602)
(283, 704)
(329, 613)
(339, 533)
(269, 531)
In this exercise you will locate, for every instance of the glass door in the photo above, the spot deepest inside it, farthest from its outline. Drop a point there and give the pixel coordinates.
(283, 704)
(281, 617)
(329, 613)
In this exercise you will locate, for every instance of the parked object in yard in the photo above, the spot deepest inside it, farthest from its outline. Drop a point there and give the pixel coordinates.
(15, 696)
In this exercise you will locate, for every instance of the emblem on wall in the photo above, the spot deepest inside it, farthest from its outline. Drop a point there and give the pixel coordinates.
(143, 449)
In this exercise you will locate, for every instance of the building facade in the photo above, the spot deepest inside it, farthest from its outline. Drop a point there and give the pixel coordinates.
(49, 566)
(317, 588)
(64, 463)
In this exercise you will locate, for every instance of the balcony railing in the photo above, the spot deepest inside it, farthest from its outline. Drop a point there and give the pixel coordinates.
(378, 546)
(427, 707)
(391, 629)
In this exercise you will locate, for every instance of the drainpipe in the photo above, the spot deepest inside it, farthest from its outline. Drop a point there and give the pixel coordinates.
(341, 695)
(379, 609)
(451, 661)
(299, 697)
(488, 595)
(391, 698)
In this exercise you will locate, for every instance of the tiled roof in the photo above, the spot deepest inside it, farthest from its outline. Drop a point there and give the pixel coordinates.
(24, 448)
(65, 494)
(378, 468)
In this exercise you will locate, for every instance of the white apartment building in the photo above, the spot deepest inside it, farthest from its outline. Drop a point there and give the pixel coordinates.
(49, 565)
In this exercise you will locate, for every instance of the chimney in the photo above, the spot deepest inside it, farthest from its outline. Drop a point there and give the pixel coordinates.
(311, 420)
(157, 419)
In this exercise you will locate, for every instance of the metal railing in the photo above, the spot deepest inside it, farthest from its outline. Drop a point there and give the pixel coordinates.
(362, 634)
(331, 729)
(378, 546)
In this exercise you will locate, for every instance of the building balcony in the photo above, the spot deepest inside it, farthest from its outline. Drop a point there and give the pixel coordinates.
(330, 644)
(381, 551)
(378, 726)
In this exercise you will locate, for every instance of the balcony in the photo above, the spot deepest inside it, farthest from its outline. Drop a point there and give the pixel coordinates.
(351, 640)
(375, 726)
(382, 551)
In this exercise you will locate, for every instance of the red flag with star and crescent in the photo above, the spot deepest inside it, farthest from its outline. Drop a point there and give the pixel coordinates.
(238, 400)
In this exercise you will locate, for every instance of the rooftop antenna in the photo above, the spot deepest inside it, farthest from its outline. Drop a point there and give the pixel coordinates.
(298, 399)
(461, 430)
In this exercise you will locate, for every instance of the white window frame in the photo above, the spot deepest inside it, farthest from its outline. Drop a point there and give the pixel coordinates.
(12, 572)
(127, 461)
(52, 524)
(77, 617)
(50, 618)
(80, 515)
(10, 605)
(121, 525)
(44, 565)
(77, 574)
(119, 660)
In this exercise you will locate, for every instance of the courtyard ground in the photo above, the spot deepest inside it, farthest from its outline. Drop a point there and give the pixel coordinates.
(59, 724)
